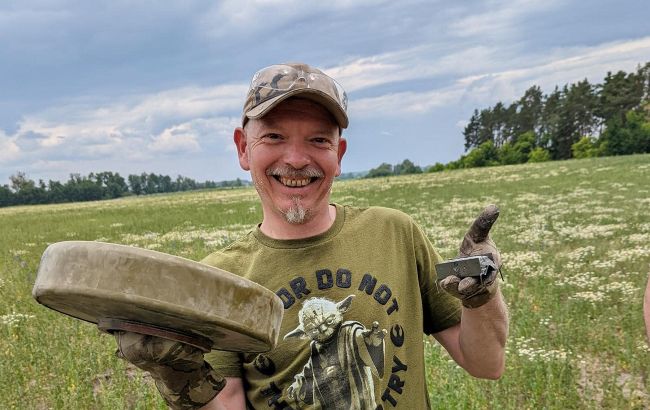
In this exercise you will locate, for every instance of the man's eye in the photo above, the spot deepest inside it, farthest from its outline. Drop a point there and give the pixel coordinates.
(274, 137)
(320, 140)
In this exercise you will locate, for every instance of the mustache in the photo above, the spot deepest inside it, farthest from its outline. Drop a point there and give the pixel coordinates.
(291, 172)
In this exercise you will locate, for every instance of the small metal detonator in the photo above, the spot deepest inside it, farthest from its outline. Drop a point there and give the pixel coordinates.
(471, 266)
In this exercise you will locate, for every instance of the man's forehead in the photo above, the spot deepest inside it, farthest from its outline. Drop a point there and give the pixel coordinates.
(299, 108)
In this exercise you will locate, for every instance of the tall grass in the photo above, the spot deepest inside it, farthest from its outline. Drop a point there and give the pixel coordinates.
(574, 238)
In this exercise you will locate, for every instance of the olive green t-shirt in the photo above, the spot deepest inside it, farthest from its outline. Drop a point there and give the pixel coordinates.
(373, 266)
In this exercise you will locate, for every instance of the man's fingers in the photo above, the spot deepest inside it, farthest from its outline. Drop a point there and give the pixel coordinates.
(450, 283)
(467, 283)
(482, 225)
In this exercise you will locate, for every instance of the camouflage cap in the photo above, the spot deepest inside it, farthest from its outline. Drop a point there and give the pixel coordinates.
(274, 84)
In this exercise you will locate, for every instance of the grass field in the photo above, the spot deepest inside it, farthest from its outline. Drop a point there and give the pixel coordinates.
(574, 237)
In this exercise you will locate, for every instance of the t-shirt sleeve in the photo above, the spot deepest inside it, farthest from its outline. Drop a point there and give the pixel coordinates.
(228, 364)
(440, 309)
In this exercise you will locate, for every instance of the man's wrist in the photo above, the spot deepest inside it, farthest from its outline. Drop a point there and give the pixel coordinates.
(484, 296)
(191, 391)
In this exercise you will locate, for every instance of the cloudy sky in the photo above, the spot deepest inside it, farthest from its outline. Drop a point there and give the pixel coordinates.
(157, 86)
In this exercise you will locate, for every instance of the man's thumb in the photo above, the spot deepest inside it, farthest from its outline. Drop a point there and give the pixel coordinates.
(481, 227)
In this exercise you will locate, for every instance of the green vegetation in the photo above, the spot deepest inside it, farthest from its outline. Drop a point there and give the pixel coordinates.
(580, 120)
(574, 237)
(101, 185)
(406, 167)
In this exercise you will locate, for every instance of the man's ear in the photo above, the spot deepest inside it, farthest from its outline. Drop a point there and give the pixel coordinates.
(242, 148)
(343, 145)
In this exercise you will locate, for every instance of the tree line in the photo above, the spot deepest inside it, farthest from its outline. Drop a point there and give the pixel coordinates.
(579, 120)
(386, 169)
(576, 121)
(100, 185)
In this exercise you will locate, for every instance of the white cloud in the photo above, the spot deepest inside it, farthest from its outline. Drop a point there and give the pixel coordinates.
(176, 139)
(419, 62)
(9, 150)
(186, 137)
(502, 18)
(558, 67)
(251, 16)
(172, 121)
(398, 104)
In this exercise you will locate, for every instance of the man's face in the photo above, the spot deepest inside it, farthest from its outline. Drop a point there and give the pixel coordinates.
(293, 153)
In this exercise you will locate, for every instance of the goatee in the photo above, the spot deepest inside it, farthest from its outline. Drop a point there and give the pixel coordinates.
(296, 214)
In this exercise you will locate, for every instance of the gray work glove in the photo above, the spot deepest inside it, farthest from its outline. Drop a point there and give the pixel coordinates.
(474, 292)
(183, 378)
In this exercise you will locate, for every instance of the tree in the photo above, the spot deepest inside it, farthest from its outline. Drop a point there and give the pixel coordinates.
(437, 167)
(619, 94)
(19, 181)
(383, 170)
(56, 192)
(6, 196)
(586, 147)
(484, 155)
(550, 118)
(113, 185)
(518, 152)
(406, 167)
(166, 184)
(629, 137)
(135, 182)
(539, 154)
(471, 131)
(529, 111)
(576, 118)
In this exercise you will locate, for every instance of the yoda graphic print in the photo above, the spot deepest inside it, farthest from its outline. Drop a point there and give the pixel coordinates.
(344, 357)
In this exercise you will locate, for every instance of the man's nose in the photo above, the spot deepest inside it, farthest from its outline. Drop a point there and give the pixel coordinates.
(296, 156)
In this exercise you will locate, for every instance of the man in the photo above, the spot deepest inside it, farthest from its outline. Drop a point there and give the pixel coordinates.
(318, 258)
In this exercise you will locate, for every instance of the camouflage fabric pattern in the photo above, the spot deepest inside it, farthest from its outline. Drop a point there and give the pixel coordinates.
(475, 292)
(278, 80)
(183, 378)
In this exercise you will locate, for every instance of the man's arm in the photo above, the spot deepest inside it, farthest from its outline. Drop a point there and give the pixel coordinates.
(477, 344)
(646, 309)
(230, 398)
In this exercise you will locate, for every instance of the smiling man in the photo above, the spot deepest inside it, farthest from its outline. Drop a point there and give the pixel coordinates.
(293, 153)
(358, 284)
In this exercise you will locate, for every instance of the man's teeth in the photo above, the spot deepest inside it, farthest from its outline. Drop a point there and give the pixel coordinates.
(294, 182)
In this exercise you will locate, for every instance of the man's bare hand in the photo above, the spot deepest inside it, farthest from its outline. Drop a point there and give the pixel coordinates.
(472, 291)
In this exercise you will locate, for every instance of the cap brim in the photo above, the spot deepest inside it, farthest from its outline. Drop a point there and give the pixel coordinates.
(308, 93)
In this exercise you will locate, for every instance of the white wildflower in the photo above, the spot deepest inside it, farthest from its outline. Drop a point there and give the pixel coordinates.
(13, 319)
(524, 348)
(638, 238)
(589, 296)
(643, 346)
(581, 253)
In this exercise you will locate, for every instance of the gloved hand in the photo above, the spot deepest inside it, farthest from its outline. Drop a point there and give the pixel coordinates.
(183, 378)
(474, 292)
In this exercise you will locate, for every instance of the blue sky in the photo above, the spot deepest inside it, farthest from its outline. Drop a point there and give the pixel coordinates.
(154, 86)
